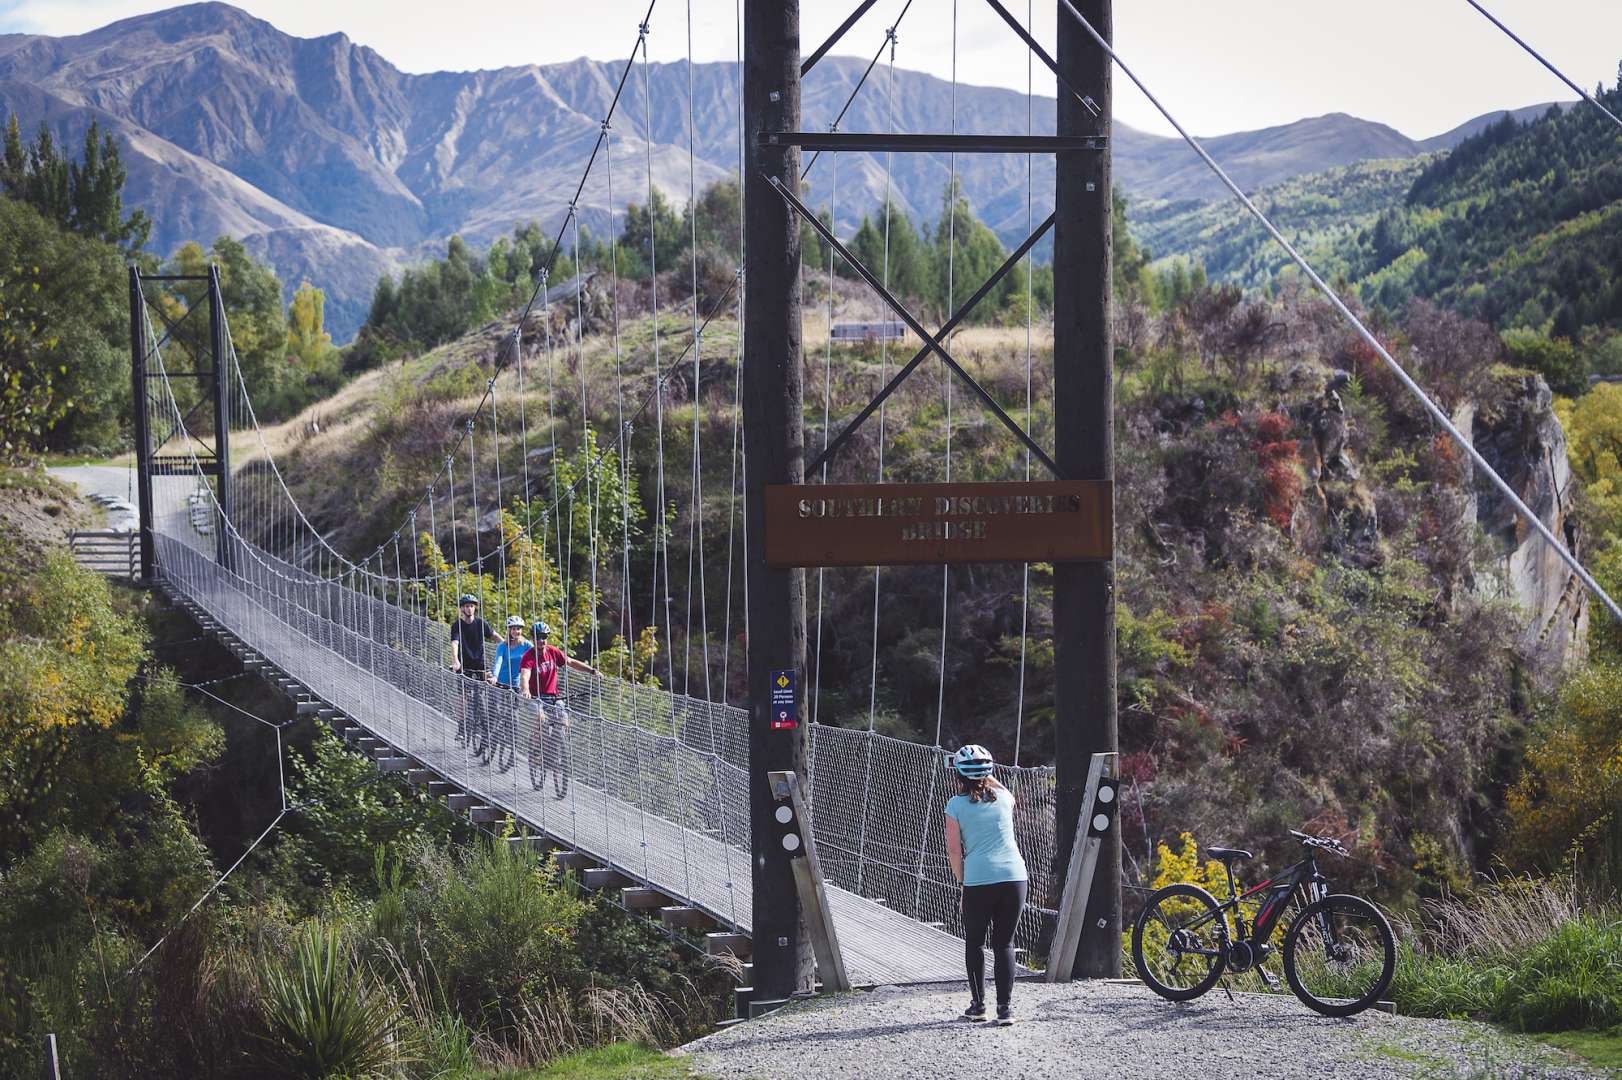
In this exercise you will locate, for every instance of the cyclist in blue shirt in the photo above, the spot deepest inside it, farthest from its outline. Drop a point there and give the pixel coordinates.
(510, 655)
(986, 862)
(507, 672)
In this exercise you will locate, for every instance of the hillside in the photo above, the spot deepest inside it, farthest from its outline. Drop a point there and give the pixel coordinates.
(1519, 226)
(1311, 637)
(335, 166)
(1322, 214)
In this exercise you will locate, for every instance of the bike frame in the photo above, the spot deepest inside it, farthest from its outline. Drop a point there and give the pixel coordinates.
(1303, 876)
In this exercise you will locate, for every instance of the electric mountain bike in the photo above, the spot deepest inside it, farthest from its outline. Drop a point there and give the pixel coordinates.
(1338, 951)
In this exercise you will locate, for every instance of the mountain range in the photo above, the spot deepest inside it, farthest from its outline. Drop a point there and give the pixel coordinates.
(335, 166)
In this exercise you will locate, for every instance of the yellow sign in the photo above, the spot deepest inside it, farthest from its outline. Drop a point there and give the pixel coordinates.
(782, 680)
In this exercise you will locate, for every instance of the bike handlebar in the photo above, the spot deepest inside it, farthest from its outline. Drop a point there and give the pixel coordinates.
(1324, 843)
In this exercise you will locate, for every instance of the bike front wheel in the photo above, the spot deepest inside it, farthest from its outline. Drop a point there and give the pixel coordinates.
(1339, 954)
(1180, 942)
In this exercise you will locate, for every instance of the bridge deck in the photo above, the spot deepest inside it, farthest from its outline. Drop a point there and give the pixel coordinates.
(649, 805)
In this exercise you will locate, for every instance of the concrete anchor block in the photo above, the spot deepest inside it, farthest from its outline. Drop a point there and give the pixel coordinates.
(681, 916)
(639, 898)
(603, 878)
(538, 844)
(727, 942)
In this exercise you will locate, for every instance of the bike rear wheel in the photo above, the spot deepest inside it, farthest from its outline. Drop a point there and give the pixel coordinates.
(1339, 954)
(1180, 942)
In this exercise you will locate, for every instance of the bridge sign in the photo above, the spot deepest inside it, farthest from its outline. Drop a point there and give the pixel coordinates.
(785, 706)
(899, 524)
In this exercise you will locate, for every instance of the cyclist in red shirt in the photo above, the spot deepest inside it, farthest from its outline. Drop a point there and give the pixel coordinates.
(538, 678)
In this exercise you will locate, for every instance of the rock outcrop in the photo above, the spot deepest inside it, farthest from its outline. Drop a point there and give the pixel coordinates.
(1519, 435)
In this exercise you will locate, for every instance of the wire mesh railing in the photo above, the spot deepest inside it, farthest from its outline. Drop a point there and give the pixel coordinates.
(653, 782)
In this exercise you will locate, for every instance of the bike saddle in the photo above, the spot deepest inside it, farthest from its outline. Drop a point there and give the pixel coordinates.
(1227, 854)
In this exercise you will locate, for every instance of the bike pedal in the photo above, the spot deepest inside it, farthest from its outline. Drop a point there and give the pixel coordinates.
(1272, 983)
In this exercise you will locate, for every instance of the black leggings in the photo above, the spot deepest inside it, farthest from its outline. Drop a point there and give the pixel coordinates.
(996, 906)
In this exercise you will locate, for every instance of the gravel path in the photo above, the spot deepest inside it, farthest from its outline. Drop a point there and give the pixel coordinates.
(1086, 1030)
(108, 480)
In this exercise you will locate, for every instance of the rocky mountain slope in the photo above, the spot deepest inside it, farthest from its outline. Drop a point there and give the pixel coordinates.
(334, 165)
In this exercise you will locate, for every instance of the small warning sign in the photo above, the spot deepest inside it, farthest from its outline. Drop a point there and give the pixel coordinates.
(785, 705)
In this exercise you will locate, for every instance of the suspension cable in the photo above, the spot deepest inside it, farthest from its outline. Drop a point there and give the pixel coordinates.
(1584, 94)
(1363, 331)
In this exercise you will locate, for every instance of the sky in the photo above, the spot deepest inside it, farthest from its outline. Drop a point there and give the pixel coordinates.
(1421, 66)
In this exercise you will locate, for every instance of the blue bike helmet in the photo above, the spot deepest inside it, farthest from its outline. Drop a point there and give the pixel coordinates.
(540, 631)
(467, 598)
(973, 762)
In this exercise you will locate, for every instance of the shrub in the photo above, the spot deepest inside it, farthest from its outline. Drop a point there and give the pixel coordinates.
(325, 1015)
(501, 929)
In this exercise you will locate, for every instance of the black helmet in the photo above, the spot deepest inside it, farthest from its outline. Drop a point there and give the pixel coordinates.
(467, 598)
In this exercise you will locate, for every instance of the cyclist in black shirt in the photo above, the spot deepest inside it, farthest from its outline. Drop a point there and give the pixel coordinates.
(468, 635)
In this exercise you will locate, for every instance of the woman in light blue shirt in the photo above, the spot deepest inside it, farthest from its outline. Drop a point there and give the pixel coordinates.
(987, 863)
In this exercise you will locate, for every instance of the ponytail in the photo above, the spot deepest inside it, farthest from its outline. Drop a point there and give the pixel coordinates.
(979, 789)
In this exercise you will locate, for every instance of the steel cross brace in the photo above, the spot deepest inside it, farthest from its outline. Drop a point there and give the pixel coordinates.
(932, 343)
(833, 39)
(1036, 47)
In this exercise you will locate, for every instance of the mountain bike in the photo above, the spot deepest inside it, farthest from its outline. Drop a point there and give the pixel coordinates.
(1338, 951)
(549, 747)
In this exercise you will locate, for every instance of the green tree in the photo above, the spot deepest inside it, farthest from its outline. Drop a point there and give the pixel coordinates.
(307, 338)
(655, 230)
(64, 336)
(83, 196)
(966, 253)
(1556, 359)
(893, 251)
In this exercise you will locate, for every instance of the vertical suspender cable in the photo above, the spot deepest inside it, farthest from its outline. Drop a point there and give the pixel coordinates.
(827, 393)
(696, 526)
(946, 378)
(1030, 314)
(884, 357)
(661, 547)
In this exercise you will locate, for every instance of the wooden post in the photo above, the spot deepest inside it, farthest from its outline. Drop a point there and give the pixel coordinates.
(1084, 445)
(819, 917)
(53, 1069)
(774, 454)
(143, 436)
(1078, 882)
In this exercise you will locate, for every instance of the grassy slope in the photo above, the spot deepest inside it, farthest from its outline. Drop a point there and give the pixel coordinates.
(1521, 225)
(1319, 214)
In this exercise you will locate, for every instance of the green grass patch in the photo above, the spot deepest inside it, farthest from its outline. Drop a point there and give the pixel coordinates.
(1599, 1047)
(60, 460)
(617, 1061)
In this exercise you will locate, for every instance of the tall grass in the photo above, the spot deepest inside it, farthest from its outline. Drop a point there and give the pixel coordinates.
(1527, 953)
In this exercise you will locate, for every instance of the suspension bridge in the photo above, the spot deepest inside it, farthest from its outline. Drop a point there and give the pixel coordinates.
(666, 793)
